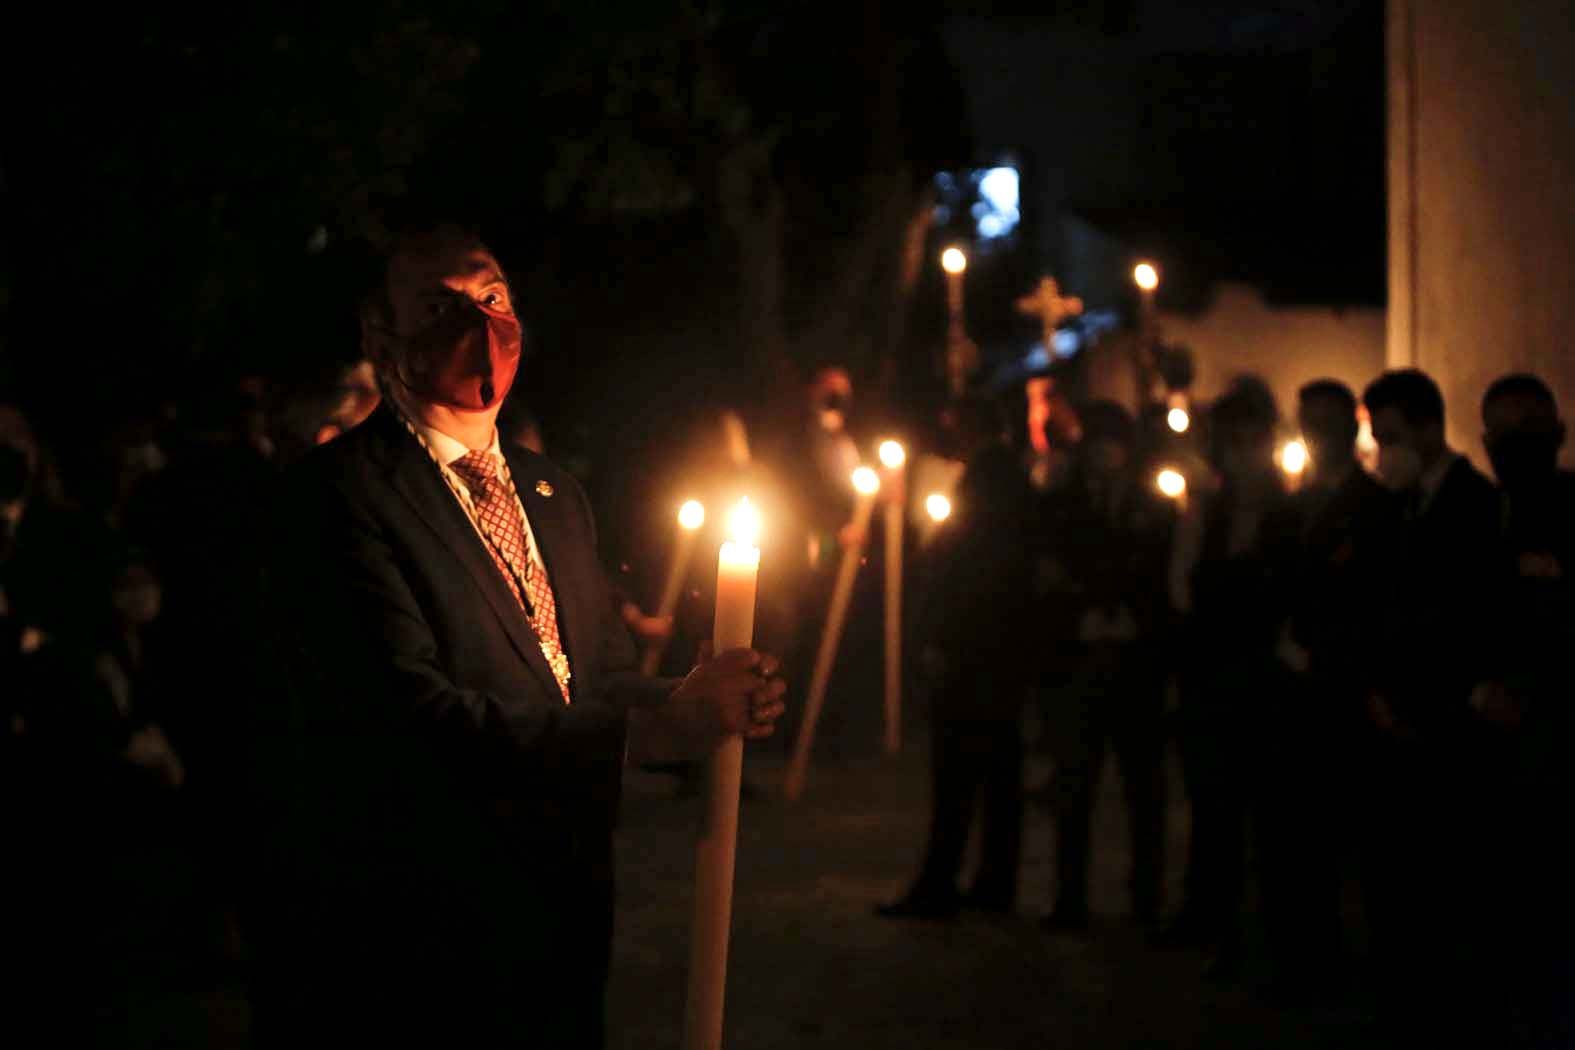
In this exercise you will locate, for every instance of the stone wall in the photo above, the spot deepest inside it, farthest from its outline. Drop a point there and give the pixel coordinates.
(1482, 197)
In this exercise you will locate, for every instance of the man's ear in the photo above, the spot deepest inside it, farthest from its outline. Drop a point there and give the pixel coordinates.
(378, 344)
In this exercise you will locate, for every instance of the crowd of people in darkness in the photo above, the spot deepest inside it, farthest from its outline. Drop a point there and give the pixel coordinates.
(1365, 674)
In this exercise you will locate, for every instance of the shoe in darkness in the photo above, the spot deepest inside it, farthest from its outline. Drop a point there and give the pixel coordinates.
(921, 904)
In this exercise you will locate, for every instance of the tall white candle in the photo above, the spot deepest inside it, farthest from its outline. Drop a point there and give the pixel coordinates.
(866, 483)
(734, 627)
(690, 517)
(893, 458)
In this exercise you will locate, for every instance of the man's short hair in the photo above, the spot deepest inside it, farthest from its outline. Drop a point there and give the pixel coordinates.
(1328, 390)
(1411, 392)
(1247, 404)
(414, 235)
(1522, 385)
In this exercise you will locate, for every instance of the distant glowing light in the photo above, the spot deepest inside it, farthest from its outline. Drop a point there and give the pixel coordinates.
(866, 481)
(1178, 420)
(892, 454)
(1172, 483)
(743, 523)
(1146, 276)
(953, 260)
(1000, 193)
(1293, 457)
(691, 515)
(937, 506)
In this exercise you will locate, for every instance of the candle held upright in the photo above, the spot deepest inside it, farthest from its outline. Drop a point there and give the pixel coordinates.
(738, 568)
(893, 458)
(690, 517)
(866, 483)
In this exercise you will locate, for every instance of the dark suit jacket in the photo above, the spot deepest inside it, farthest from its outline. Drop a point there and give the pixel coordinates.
(1433, 597)
(451, 816)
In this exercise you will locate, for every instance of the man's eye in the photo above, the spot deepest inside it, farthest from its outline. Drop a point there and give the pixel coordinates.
(495, 299)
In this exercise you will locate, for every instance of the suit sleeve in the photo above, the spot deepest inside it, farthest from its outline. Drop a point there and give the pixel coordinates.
(366, 657)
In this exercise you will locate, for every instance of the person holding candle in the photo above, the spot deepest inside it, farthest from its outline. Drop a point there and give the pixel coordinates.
(973, 632)
(463, 698)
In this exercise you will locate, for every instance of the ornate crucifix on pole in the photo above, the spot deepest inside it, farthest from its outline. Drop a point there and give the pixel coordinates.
(1048, 304)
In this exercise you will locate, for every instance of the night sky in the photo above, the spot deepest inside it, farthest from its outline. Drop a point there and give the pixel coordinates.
(193, 192)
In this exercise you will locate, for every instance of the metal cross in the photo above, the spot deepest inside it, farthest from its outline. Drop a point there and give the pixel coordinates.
(1048, 304)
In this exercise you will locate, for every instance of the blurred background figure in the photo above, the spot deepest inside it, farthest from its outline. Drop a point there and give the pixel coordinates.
(1432, 583)
(1528, 731)
(973, 635)
(1316, 728)
(1230, 677)
(833, 455)
(1112, 532)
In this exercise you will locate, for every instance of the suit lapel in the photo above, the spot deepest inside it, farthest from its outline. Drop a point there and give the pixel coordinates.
(415, 477)
(552, 528)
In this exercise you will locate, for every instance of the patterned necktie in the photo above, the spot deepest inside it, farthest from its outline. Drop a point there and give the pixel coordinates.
(499, 514)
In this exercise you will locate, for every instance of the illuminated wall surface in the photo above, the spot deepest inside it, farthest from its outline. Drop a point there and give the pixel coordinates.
(1287, 346)
(1482, 197)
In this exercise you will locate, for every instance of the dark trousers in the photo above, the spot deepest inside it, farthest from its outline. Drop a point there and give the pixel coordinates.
(358, 964)
(1421, 843)
(1217, 771)
(976, 760)
(1304, 804)
(1115, 703)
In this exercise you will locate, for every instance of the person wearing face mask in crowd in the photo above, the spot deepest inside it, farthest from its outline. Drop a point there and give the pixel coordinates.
(463, 696)
(1524, 703)
(1428, 647)
(1235, 601)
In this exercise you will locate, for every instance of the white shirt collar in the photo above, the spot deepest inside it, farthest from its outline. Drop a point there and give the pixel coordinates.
(450, 449)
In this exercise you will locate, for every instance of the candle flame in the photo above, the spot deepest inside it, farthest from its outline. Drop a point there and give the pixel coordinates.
(866, 482)
(892, 454)
(743, 524)
(1294, 457)
(1146, 276)
(937, 506)
(954, 261)
(1178, 420)
(1172, 483)
(691, 515)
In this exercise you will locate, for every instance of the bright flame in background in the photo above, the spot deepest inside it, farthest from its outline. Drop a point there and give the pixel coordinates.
(691, 515)
(1178, 420)
(743, 524)
(892, 454)
(1146, 276)
(1172, 483)
(954, 261)
(1293, 457)
(937, 506)
(866, 481)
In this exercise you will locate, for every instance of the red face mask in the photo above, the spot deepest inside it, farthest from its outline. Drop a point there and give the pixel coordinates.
(466, 359)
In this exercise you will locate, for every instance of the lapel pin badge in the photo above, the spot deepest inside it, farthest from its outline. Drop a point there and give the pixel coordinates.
(543, 489)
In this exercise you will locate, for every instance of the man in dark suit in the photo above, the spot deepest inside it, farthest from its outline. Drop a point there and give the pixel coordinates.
(1524, 740)
(1113, 536)
(973, 637)
(1317, 726)
(1432, 585)
(463, 700)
